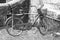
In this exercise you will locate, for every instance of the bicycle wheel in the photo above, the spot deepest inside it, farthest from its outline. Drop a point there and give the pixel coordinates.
(42, 28)
(11, 31)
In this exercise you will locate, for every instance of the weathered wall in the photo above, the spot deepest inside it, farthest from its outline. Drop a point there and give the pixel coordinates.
(8, 0)
(52, 1)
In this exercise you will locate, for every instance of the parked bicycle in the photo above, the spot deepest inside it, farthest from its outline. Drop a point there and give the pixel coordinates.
(17, 22)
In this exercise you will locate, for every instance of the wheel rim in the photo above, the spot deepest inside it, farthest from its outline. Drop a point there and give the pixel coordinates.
(10, 29)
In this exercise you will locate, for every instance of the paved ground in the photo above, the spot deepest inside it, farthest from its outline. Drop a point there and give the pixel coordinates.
(33, 34)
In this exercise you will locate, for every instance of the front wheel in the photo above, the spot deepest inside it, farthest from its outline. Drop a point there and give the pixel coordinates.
(43, 27)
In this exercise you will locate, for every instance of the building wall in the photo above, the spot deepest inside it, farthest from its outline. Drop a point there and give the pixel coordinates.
(8, 0)
(52, 1)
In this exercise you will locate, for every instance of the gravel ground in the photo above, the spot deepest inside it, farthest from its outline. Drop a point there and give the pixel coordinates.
(32, 34)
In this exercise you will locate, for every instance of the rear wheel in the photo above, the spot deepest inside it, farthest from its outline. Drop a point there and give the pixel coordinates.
(11, 31)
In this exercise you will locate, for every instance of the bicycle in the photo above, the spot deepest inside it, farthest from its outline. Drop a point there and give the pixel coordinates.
(16, 23)
(25, 26)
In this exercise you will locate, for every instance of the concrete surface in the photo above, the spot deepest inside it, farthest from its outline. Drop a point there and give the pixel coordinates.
(32, 34)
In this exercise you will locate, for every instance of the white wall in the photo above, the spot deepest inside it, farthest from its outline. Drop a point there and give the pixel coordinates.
(52, 1)
(8, 0)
